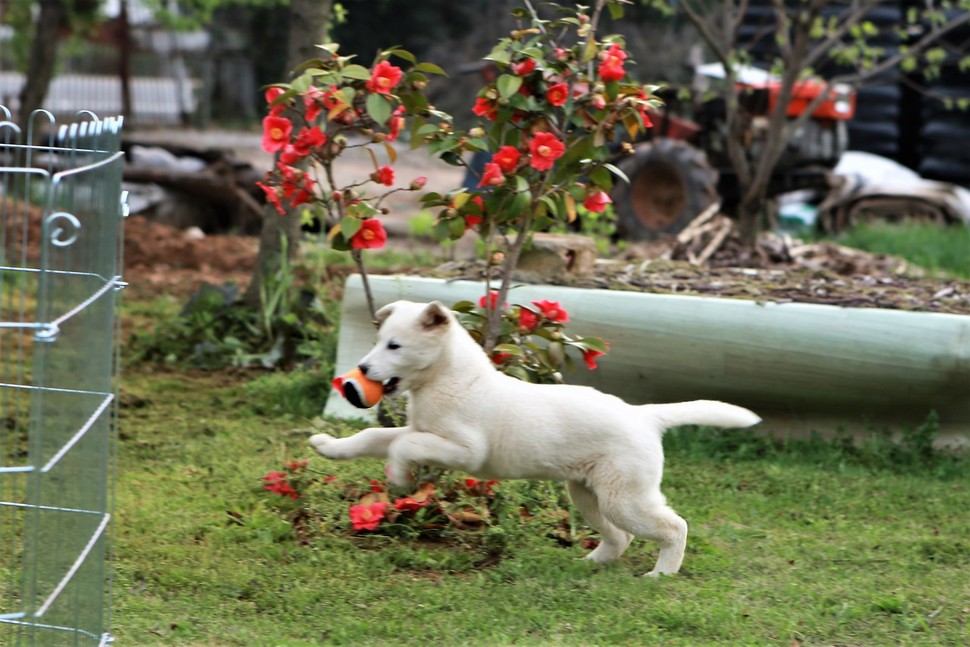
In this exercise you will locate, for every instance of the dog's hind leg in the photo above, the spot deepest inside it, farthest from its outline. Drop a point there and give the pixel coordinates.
(372, 442)
(649, 517)
(613, 540)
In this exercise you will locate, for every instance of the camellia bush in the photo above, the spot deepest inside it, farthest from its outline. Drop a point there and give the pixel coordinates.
(559, 99)
(334, 105)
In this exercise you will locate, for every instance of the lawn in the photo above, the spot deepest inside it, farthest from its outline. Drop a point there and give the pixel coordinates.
(799, 543)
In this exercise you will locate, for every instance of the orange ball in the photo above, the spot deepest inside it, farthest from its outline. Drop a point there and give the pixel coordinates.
(360, 391)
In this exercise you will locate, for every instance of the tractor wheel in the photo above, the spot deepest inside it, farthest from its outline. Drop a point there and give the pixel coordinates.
(671, 182)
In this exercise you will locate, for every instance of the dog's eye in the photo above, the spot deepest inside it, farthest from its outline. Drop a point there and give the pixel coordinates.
(393, 345)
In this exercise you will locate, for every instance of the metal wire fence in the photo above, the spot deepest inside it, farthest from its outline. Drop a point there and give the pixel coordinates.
(61, 215)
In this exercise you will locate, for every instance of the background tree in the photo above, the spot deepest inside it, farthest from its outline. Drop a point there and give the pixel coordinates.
(309, 21)
(39, 41)
(805, 37)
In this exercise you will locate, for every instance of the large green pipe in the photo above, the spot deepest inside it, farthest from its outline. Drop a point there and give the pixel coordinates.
(802, 367)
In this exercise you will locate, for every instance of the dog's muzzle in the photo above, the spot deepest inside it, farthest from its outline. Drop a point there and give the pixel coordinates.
(390, 387)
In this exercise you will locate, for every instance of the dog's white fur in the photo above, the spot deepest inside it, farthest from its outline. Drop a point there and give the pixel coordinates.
(464, 414)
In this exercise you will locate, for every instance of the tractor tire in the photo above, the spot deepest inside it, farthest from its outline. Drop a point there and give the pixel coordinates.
(671, 182)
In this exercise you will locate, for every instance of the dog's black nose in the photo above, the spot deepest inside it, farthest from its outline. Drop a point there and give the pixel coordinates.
(363, 368)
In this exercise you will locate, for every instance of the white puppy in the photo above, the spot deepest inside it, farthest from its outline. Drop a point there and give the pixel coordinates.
(464, 414)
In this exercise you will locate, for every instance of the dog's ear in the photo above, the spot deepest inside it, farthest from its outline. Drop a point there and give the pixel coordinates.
(435, 315)
(383, 314)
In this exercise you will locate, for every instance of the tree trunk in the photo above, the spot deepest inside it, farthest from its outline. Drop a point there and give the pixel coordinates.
(51, 21)
(308, 27)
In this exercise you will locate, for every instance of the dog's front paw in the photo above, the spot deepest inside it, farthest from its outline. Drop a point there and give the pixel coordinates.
(399, 476)
(325, 444)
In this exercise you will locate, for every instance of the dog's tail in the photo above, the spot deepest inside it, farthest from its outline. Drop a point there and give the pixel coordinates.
(709, 413)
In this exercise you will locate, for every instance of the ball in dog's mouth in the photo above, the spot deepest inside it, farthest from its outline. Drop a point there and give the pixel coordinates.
(390, 387)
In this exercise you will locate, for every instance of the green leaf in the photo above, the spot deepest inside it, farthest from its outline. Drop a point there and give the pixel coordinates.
(457, 227)
(521, 202)
(511, 349)
(550, 205)
(500, 53)
(442, 230)
(600, 176)
(349, 226)
(508, 85)
(477, 143)
(617, 172)
(358, 72)
(430, 68)
(378, 108)
(616, 10)
(402, 53)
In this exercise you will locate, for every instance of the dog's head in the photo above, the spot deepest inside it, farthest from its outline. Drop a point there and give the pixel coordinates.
(409, 342)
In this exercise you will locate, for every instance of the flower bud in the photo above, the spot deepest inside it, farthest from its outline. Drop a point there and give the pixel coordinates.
(477, 131)
(419, 85)
(418, 183)
(379, 137)
(385, 211)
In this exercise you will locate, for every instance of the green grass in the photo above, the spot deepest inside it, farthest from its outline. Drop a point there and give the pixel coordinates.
(809, 542)
(935, 248)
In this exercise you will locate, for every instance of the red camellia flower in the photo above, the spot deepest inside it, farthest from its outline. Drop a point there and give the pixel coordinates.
(492, 300)
(476, 215)
(306, 141)
(312, 103)
(528, 320)
(545, 149)
(304, 192)
(384, 175)
(611, 64)
(480, 487)
(274, 195)
(589, 356)
(367, 517)
(597, 201)
(507, 158)
(485, 107)
(492, 176)
(276, 133)
(557, 94)
(276, 483)
(395, 124)
(408, 504)
(272, 94)
(642, 109)
(500, 358)
(384, 78)
(524, 67)
(552, 311)
(371, 235)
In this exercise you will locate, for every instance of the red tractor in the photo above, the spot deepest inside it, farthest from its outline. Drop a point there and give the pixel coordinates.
(683, 167)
